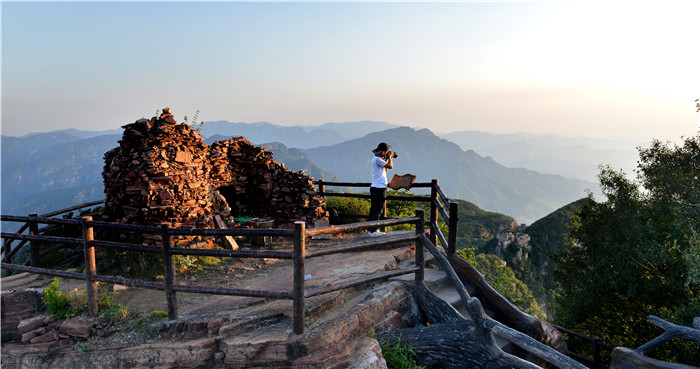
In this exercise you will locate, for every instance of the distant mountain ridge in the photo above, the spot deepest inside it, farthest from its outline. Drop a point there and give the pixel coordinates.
(523, 194)
(573, 157)
(60, 160)
(295, 136)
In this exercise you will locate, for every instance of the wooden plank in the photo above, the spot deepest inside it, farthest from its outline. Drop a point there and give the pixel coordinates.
(361, 226)
(366, 279)
(228, 241)
(363, 243)
(405, 181)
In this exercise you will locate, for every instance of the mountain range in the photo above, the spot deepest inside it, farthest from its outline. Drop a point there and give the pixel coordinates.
(573, 157)
(521, 193)
(52, 170)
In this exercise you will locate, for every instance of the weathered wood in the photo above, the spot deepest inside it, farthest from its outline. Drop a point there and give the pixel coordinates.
(228, 241)
(420, 252)
(359, 281)
(90, 267)
(476, 313)
(532, 346)
(455, 344)
(504, 311)
(405, 181)
(365, 196)
(354, 227)
(76, 207)
(234, 292)
(452, 229)
(364, 243)
(443, 197)
(169, 271)
(366, 184)
(433, 212)
(671, 331)
(625, 358)
(129, 282)
(38, 219)
(440, 236)
(235, 253)
(42, 271)
(299, 270)
(436, 310)
(33, 245)
(30, 237)
(441, 210)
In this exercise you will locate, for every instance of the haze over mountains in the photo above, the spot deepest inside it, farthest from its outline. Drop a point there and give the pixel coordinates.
(47, 171)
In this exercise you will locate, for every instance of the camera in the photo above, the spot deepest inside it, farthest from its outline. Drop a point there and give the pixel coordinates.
(390, 154)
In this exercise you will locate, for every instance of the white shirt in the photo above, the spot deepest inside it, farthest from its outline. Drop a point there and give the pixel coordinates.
(379, 179)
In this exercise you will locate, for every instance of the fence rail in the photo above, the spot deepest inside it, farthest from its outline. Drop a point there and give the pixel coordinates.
(298, 255)
(437, 200)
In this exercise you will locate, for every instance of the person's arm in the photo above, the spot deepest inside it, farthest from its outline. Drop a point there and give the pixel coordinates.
(389, 164)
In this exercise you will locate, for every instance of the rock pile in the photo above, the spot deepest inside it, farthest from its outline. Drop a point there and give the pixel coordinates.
(163, 172)
(256, 185)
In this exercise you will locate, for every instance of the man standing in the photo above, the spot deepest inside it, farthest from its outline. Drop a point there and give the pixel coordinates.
(380, 163)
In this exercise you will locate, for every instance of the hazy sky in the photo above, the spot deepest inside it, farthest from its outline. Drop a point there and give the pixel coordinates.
(595, 69)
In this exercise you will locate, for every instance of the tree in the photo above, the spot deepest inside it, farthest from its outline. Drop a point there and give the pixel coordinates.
(637, 253)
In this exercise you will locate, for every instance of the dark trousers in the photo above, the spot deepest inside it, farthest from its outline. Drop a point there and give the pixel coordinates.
(377, 198)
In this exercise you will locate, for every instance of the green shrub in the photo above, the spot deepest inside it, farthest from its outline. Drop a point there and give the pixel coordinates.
(399, 356)
(116, 313)
(54, 300)
(502, 279)
(159, 314)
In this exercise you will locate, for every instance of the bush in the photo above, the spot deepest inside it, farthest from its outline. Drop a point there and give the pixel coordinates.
(54, 300)
(399, 356)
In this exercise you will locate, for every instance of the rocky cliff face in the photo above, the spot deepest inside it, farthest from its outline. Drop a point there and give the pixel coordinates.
(515, 242)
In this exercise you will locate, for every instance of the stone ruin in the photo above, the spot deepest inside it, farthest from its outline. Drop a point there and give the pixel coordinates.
(163, 172)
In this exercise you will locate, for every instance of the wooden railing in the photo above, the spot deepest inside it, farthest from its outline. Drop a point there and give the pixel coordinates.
(598, 347)
(298, 255)
(9, 250)
(439, 202)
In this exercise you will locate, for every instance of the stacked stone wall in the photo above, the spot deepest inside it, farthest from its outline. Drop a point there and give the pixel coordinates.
(163, 172)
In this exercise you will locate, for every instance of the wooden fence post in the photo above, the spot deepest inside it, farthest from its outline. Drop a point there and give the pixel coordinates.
(420, 257)
(596, 353)
(169, 270)
(90, 266)
(299, 270)
(452, 237)
(434, 212)
(34, 245)
(321, 187)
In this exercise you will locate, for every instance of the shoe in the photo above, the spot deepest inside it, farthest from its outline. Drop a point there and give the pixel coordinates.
(376, 234)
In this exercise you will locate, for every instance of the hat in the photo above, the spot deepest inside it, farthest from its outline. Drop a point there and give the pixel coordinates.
(382, 147)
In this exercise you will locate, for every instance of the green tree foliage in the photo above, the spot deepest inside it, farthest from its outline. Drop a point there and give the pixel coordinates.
(547, 237)
(637, 253)
(478, 227)
(503, 280)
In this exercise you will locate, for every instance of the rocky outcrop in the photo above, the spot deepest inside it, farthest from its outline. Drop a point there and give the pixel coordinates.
(515, 242)
(341, 340)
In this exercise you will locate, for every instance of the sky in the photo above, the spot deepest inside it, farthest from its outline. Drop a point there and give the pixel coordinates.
(597, 69)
